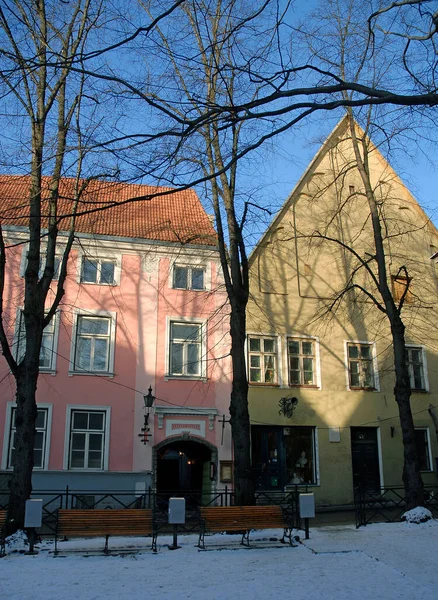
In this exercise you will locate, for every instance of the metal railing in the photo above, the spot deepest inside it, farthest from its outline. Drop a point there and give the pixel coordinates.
(158, 501)
(388, 505)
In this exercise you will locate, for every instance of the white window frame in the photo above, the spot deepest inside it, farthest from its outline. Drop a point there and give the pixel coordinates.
(10, 406)
(59, 253)
(112, 340)
(15, 346)
(424, 365)
(376, 387)
(189, 268)
(429, 449)
(191, 263)
(317, 366)
(278, 379)
(99, 254)
(87, 408)
(203, 356)
(100, 259)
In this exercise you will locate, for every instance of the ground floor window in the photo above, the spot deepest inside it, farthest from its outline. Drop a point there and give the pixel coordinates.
(40, 445)
(283, 456)
(87, 439)
(423, 449)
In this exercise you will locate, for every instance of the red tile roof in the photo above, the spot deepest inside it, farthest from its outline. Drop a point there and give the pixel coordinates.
(174, 216)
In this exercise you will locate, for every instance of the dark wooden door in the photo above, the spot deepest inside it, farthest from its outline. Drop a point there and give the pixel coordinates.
(365, 458)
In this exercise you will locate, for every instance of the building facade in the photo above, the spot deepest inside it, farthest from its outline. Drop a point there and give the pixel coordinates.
(143, 307)
(319, 350)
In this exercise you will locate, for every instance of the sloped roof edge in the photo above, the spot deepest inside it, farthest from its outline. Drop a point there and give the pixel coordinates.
(339, 125)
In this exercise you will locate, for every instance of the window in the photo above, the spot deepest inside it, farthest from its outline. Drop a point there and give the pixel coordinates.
(87, 439)
(56, 267)
(94, 343)
(40, 450)
(399, 285)
(186, 347)
(301, 361)
(188, 278)
(47, 360)
(262, 359)
(98, 270)
(423, 449)
(360, 366)
(416, 364)
(283, 456)
(299, 444)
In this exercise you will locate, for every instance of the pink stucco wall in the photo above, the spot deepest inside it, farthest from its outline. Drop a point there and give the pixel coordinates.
(144, 302)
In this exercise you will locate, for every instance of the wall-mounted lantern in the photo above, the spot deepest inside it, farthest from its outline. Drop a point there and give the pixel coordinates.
(148, 403)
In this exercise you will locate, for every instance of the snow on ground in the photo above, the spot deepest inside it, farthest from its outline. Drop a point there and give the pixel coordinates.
(386, 561)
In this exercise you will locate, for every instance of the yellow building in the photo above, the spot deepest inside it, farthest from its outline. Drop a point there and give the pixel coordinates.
(320, 361)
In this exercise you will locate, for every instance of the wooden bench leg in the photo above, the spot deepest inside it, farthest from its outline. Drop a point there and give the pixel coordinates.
(201, 540)
(154, 541)
(245, 538)
(287, 533)
(106, 551)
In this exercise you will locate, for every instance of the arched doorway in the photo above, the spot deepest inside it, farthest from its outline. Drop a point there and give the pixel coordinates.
(183, 468)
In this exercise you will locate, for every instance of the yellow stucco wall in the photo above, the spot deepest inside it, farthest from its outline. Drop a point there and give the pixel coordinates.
(295, 275)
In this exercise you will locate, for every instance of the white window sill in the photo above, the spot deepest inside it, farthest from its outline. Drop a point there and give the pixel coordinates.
(47, 371)
(185, 378)
(84, 470)
(91, 373)
(99, 283)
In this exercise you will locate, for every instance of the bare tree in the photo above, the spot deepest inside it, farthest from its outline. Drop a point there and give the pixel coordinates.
(58, 119)
(348, 57)
(202, 54)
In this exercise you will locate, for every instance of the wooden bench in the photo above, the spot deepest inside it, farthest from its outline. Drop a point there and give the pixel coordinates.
(242, 519)
(3, 514)
(105, 523)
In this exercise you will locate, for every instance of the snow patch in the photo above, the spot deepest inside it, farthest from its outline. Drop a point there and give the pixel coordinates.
(17, 542)
(417, 515)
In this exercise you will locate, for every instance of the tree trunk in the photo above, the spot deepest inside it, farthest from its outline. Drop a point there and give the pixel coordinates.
(240, 423)
(413, 483)
(25, 417)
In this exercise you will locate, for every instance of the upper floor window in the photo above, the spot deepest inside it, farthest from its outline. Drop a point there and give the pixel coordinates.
(42, 264)
(47, 360)
(301, 361)
(56, 266)
(94, 343)
(262, 352)
(361, 366)
(40, 449)
(416, 362)
(188, 278)
(186, 349)
(98, 270)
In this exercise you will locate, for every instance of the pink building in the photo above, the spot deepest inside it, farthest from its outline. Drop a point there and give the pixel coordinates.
(144, 306)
